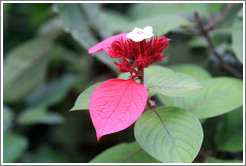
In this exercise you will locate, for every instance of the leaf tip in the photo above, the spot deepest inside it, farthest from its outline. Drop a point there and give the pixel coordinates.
(71, 110)
(98, 138)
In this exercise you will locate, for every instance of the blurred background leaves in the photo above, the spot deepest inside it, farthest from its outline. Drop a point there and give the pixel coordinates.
(46, 67)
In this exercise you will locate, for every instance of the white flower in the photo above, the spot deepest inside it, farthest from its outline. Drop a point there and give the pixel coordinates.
(139, 34)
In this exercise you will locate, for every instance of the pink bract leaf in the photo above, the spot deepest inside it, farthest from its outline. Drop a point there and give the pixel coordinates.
(116, 104)
(106, 45)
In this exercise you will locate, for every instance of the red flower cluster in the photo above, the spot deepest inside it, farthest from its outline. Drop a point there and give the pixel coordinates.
(141, 54)
(134, 54)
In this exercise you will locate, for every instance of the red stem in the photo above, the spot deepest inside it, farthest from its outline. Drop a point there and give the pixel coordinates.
(141, 76)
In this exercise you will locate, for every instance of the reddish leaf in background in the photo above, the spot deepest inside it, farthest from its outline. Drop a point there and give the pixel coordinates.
(116, 104)
(106, 45)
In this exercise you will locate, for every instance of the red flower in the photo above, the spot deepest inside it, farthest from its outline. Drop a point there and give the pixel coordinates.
(117, 103)
(143, 53)
(138, 54)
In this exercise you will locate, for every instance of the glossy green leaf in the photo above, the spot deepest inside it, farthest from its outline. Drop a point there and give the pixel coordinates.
(75, 22)
(39, 115)
(13, 147)
(237, 36)
(229, 138)
(221, 95)
(124, 153)
(216, 160)
(24, 68)
(82, 102)
(192, 70)
(167, 82)
(8, 117)
(161, 24)
(171, 135)
(52, 92)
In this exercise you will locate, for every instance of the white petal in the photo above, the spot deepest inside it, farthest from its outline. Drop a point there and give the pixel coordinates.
(139, 34)
(148, 29)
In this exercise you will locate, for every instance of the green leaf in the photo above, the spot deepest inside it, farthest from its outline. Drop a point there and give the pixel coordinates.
(13, 147)
(192, 70)
(76, 63)
(116, 20)
(24, 68)
(124, 76)
(124, 153)
(202, 121)
(145, 10)
(237, 36)
(161, 24)
(8, 117)
(230, 17)
(215, 7)
(171, 135)
(197, 42)
(221, 95)
(75, 21)
(51, 28)
(181, 52)
(167, 82)
(229, 138)
(45, 154)
(97, 18)
(216, 160)
(37, 115)
(52, 92)
(39, 13)
(220, 35)
(82, 102)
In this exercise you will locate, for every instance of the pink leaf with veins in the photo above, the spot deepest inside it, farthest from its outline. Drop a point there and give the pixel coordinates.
(106, 45)
(116, 104)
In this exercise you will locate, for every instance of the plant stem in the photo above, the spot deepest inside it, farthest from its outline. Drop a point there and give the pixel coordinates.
(204, 31)
(141, 75)
(150, 104)
(212, 22)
